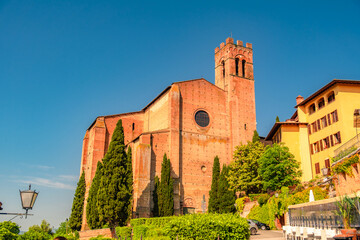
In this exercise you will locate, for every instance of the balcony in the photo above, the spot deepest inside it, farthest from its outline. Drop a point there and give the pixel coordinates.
(347, 149)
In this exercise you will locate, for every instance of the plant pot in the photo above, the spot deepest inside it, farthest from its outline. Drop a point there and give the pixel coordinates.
(348, 233)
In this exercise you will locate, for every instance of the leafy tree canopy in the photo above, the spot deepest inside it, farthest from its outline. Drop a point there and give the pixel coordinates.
(278, 168)
(9, 230)
(243, 173)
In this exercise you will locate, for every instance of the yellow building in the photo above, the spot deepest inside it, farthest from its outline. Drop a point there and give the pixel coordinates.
(321, 124)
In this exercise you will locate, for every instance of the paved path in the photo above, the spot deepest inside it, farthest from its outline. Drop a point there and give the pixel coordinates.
(268, 235)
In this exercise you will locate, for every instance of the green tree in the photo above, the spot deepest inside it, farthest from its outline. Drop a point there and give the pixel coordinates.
(166, 197)
(243, 173)
(213, 194)
(65, 231)
(92, 215)
(9, 230)
(78, 205)
(156, 194)
(256, 137)
(277, 119)
(115, 193)
(278, 167)
(226, 196)
(36, 232)
(130, 181)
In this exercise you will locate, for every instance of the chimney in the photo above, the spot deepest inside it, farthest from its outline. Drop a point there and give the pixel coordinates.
(299, 99)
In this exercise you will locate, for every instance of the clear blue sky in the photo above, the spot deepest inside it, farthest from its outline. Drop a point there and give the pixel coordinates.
(62, 63)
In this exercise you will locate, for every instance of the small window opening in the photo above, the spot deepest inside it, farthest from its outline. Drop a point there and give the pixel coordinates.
(312, 108)
(223, 68)
(133, 126)
(243, 68)
(237, 66)
(321, 103)
(245, 126)
(331, 97)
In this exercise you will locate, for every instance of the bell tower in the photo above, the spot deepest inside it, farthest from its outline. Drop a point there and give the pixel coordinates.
(234, 74)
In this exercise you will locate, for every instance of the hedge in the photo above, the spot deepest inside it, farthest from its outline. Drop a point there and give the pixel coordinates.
(208, 226)
(157, 221)
(123, 232)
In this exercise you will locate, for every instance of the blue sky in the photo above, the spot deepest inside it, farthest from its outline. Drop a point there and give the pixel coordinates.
(62, 63)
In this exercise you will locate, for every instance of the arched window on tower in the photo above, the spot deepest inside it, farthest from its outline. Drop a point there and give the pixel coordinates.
(243, 68)
(223, 68)
(236, 66)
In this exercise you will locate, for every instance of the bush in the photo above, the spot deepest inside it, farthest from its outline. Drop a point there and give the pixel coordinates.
(240, 204)
(208, 226)
(123, 232)
(158, 221)
(260, 213)
(140, 231)
(263, 198)
(100, 237)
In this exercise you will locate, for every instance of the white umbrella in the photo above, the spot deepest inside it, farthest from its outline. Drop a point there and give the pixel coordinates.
(311, 197)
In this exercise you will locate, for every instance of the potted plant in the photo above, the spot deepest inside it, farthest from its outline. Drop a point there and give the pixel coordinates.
(345, 210)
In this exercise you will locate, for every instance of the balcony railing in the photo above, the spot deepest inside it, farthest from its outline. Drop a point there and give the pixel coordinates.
(347, 148)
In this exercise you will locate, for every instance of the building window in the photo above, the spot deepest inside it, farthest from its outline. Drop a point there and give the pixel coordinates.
(314, 127)
(202, 118)
(317, 168)
(321, 103)
(309, 129)
(243, 68)
(316, 147)
(323, 122)
(327, 163)
(334, 116)
(312, 108)
(223, 68)
(318, 124)
(326, 143)
(331, 140)
(133, 126)
(331, 97)
(237, 66)
(329, 119)
(337, 138)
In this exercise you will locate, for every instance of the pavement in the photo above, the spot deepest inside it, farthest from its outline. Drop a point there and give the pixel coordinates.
(268, 235)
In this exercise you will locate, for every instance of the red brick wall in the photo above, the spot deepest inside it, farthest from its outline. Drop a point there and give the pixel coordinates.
(87, 234)
(345, 184)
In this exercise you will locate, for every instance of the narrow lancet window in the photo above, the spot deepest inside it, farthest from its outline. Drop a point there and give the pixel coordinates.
(223, 68)
(236, 66)
(243, 68)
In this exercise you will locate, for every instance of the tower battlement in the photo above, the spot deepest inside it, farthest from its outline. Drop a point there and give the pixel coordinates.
(230, 40)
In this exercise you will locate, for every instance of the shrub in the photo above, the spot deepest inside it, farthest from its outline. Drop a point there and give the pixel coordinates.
(100, 237)
(123, 232)
(158, 221)
(263, 198)
(208, 226)
(240, 204)
(345, 165)
(140, 231)
(260, 213)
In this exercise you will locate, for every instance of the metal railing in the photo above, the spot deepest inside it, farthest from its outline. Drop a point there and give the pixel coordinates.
(352, 143)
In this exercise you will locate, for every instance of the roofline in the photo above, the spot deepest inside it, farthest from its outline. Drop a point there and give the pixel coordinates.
(326, 87)
(156, 98)
(277, 125)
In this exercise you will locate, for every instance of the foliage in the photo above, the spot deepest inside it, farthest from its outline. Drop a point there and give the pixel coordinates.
(278, 167)
(260, 213)
(345, 165)
(65, 231)
(213, 194)
(263, 199)
(226, 196)
(240, 204)
(156, 194)
(92, 215)
(343, 153)
(115, 190)
(78, 205)
(208, 226)
(345, 206)
(243, 174)
(303, 196)
(36, 232)
(166, 196)
(100, 237)
(157, 222)
(123, 232)
(277, 119)
(9, 230)
(256, 137)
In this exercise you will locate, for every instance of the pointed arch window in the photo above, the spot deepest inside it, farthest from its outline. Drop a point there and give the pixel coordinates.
(223, 67)
(237, 66)
(243, 68)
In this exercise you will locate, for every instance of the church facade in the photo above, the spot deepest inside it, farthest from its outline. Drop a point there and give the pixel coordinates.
(192, 122)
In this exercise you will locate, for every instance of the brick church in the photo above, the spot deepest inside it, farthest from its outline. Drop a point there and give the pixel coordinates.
(192, 122)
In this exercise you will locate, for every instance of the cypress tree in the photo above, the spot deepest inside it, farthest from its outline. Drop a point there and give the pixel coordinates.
(256, 137)
(78, 205)
(213, 199)
(115, 192)
(277, 119)
(92, 215)
(156, 194)
(166, 198)
(130, 180)
(226, 196)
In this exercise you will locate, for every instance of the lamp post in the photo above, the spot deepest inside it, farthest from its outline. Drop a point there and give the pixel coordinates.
(28, 198)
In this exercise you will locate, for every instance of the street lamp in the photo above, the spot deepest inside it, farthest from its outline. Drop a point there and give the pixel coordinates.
(28, 198)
